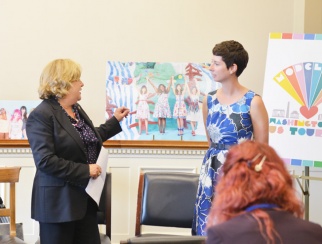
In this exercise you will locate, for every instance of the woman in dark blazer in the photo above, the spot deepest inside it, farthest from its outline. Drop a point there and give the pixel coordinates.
(256, 203)
(65, 146)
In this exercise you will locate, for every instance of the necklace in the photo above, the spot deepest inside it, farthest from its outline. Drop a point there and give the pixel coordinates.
(71, 115)
(74, 118)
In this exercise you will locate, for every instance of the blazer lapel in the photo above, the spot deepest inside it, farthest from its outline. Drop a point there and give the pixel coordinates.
(66, 124)
(88, 122)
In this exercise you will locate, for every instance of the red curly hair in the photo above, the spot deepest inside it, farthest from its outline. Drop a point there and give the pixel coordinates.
(241, 186)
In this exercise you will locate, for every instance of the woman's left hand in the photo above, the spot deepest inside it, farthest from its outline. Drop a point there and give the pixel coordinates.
(94, 170)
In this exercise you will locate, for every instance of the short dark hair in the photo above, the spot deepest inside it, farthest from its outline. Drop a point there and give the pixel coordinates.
(232, 52)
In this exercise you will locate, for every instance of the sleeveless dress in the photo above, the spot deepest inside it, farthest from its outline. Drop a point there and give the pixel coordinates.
(16, 129)
(193, 108)
(179, 110)
(226, 126)
(4, 125)
(143, 111)
(162, 107)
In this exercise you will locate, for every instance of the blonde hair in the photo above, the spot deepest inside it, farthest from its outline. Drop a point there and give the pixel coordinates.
(57, 77)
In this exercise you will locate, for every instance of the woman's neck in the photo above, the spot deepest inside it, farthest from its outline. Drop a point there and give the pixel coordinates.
(68, 107)
(231, 87)
(230, 93)
(65, 104)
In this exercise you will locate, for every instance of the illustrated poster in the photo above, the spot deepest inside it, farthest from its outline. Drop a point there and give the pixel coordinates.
(158, 96)
(293, 97)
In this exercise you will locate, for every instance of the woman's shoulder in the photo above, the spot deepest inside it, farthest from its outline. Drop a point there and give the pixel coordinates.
(277, 216)
(45, 107)
(250, 93)
(251, 97)
(288, 226)
(231, 230)
(302, 230)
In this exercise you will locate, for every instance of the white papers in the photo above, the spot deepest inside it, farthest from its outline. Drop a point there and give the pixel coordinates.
(95, 186)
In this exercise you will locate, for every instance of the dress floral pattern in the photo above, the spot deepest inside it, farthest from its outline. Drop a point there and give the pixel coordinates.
(193, 108)
(180, 110)
(162, 107)
(143, 111)
(16, 129)
(227, 125)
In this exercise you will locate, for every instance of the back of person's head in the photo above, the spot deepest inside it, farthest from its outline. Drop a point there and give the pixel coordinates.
(232, 52)
(57, 77)
(253, 174)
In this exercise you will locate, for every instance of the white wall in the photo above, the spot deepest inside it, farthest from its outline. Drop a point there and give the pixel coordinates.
(313, 17)
(93, 31)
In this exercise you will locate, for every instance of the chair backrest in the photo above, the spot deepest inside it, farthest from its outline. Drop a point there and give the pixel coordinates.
(104, 213)
(10, 175)
(166, 199)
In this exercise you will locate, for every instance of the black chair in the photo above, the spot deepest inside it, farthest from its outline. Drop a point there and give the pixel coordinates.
(165, 199)
(104, 212)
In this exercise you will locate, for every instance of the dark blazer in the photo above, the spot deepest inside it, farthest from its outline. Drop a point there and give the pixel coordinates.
(58, 193)
(244, 229)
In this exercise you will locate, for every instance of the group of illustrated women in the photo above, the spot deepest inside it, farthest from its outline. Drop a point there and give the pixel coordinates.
(14, 126)
(162, 110)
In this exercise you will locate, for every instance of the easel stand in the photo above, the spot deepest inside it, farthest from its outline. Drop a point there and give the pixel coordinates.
(304, 185)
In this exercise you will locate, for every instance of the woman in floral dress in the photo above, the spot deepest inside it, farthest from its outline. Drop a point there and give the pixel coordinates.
(15, 131)
(232, 114)
(162, 107)
(180, 109)
(193, 107)
(143, 110)
(4, 125)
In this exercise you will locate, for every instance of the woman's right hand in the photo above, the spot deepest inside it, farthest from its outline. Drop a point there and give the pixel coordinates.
(121, 113)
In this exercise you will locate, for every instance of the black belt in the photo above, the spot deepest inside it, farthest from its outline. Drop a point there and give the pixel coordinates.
(221, 146)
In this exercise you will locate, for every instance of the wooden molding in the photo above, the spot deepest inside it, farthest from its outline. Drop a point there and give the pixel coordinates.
(163, 144)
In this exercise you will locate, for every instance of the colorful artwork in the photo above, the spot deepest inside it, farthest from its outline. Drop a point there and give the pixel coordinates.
(303, 82)
(13, 117)
(165, 99)
(293, 97)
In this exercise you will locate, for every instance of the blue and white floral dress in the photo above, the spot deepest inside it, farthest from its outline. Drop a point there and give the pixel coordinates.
(226, 125)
